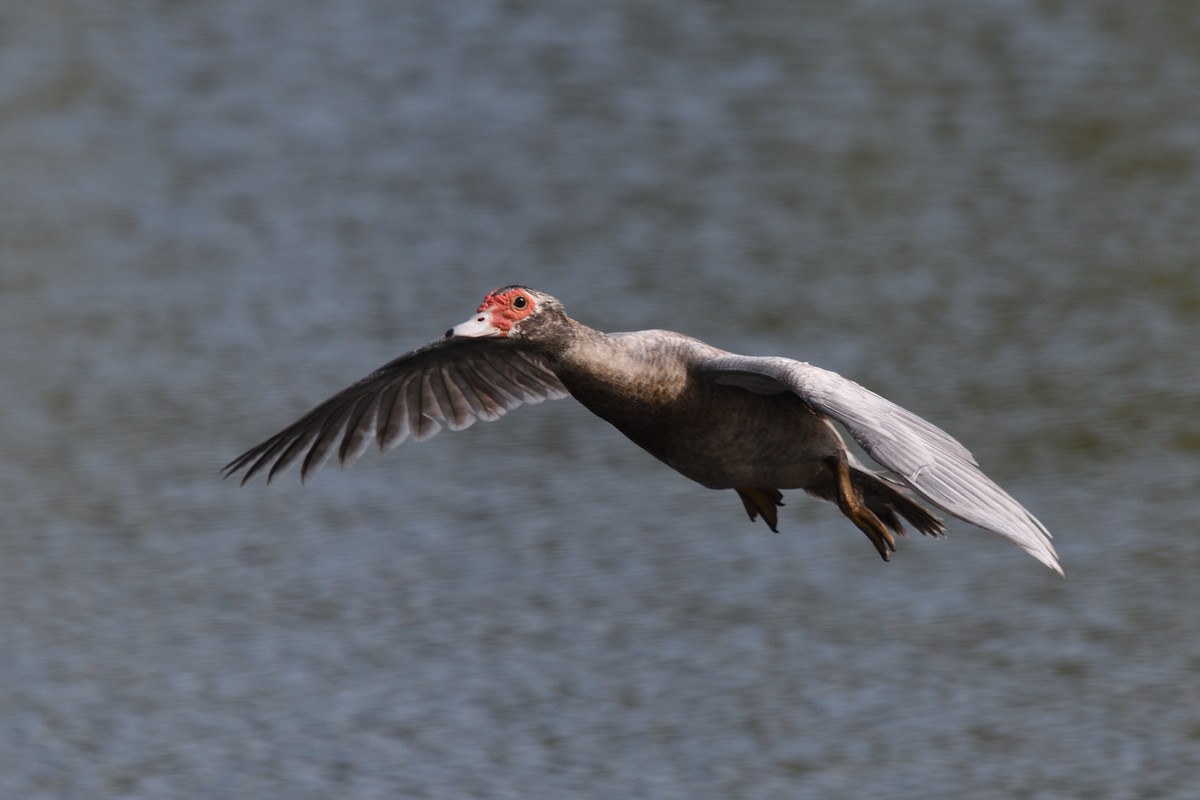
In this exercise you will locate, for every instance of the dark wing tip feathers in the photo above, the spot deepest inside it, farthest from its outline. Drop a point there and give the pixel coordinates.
(449, 382)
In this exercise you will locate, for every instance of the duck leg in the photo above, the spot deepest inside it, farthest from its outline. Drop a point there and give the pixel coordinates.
(852, 506)
(762, 501)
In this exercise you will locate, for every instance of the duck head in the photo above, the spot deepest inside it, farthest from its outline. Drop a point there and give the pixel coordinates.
(504, 313)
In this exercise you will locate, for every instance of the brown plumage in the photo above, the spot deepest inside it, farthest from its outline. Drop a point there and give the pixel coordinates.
(757, 425)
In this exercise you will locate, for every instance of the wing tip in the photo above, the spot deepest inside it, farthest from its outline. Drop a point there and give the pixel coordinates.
(1035, 539)
(1047, 555)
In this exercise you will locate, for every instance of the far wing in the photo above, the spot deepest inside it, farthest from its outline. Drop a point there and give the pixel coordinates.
(449, 381)
(930, 461)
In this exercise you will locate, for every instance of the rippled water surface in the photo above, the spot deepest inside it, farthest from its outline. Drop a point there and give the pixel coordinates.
(214, 215)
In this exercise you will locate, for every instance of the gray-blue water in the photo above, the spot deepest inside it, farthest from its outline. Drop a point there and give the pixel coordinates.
(214, 215)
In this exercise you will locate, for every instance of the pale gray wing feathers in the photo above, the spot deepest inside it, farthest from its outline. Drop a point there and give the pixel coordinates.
(450, 382)
(928, 460)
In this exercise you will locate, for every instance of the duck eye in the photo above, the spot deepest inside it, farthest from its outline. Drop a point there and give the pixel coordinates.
(519, 302)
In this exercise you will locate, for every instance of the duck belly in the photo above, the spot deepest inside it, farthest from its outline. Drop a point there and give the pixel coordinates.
(730, 438)
(788, 453)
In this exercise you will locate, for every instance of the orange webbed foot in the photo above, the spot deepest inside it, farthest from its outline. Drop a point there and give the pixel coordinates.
(762, 501)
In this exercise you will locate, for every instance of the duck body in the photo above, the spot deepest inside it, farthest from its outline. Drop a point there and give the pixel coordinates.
(645, 385)
(753, 424)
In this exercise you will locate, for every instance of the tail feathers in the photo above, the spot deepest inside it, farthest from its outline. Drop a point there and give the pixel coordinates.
(885, 501)
(890, 505)
(882, 497)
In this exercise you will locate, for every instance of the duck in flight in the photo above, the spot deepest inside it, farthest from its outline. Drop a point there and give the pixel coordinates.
(756, 425)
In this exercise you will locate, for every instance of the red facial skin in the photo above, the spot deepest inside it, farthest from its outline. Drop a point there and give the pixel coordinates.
(507, 308)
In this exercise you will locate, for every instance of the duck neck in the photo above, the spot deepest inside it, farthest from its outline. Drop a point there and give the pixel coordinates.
(557, 335)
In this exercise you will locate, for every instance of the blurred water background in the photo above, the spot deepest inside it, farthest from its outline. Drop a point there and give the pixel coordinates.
(214, 215)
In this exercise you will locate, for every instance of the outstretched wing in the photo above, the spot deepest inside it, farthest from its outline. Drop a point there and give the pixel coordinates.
(927, 459)
(452, 381)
